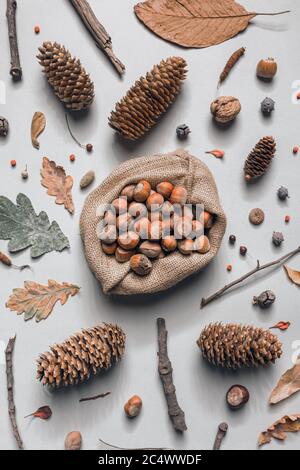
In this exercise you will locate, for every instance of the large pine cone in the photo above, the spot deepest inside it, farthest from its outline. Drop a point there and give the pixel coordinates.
(235, 346)
(71, 84)
(82, 355)
(148, 99)
(260, 158)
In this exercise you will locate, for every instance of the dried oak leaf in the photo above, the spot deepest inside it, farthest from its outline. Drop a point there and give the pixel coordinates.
(39, 300)
(194, 23)
(293, 275)
(281, 325)
(58, 184)
(288, 384)
(24, 228)
(44, 412)
(279, 429)
(38, 125)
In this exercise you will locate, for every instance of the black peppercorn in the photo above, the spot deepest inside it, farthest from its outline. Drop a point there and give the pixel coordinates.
(283, 193)
(183, 131)
(4, 126)
(277, 238)
(267, 106)
(232, 239)
(265, 299)
(243, 250)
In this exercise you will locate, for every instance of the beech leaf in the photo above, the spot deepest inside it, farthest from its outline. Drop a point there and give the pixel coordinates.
(38, 125)
(279, 430)
(293, 275)
(39, 300)
(281, 325)
(58, 184)
(288, 384)
(24, 228)
(44, 412)
(195, 23)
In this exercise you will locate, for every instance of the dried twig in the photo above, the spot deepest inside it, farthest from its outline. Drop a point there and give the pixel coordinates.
(15, 70)
(102, 395)
(166, 375)
(97, 30)
(127, 448)
(233, 59)
(258, 268)
(10, 391)
(222, 430)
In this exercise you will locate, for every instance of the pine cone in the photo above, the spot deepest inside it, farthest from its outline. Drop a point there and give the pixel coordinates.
(260, 158)
(234, 346)
(71, 84)
(148, 99)
(82, 355)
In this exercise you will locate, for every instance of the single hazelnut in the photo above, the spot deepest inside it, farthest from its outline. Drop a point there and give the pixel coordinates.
(136, 209)
(154, 202)
(266, 68)
(122, 256)
(237, 396)
(166, 228)
(155, 215)
(142, 227)
(142, 191)
(207, 219)
(129, 240)
(165, 189)
(73, 441)
(120, 205)
(110, 217)
(225, 108)
(182, 227)
(128, 192)
(179, 195)
(187, 212)
(109, 249)
(167, 209)
(169, 243)
(202, 244)
(156, 230)
(186, 247)
(140, 264)
(150, 249)
(108, 234)
(133, 407)
(123, 222)
(197, 228)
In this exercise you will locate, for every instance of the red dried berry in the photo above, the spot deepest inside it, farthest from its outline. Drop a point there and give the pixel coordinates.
(295, 150)
(13, 163)
(243, 250)
(37, 29)
(72, 158)
(89, 148)
(229, 268)
(298, 96)
(287, 219)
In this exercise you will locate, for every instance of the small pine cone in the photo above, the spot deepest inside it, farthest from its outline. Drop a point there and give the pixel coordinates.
(234, 346)
(148, 99)
(71, 84)
(260, 158)
(80, 356)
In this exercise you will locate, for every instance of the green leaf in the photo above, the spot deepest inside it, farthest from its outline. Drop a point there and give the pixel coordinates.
(24, 228)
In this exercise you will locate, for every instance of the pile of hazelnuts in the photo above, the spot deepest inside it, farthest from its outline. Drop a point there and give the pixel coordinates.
(144, 224)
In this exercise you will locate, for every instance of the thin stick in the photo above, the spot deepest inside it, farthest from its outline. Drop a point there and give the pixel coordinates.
(127, 448)
(98, 32)
(15, 70)
(222, 431)
(258, 268)
(10, 391)
(166, 375)
(71, 133)
(102, 395)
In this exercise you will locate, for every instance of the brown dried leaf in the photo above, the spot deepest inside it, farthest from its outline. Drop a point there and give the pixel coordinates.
(58, 184)
(288, 384)
(44, 412)
(194, 23)
(279, 429)
(39, 300)
(281, 325)
(293, 275)
(38, 125)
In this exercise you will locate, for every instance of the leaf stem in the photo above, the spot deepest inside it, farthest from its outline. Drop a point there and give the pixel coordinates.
(274, 14)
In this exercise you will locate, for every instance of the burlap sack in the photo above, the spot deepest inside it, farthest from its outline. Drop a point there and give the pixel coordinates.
(179, 168)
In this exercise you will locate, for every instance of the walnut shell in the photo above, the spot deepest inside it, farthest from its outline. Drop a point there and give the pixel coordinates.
(225, 108)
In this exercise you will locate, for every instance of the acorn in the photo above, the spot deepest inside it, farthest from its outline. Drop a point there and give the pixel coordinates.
(128, 192)
(133, 407)
(142, 191)
(202, 245)
(137, 209)
(140, 264)
(266, 68)
(122, 256)
(237, 396)
(120, 205)
(165, 189)
(109, 249)
(178, 195)
(150, 249)
(154, 201)
(186, 247)
(169, 244)
(129, 240)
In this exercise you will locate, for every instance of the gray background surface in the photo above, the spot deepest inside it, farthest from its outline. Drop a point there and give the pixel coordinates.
(201, 389)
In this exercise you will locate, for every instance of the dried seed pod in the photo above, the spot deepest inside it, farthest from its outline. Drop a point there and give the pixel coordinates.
(165, 189)
(122, 256)
(133, 407)
(73, 441)
(202, 245)
(120, 205)
(169, 244)
(225, 109)
(256, 216)
(25, 174)
(140, 264)
(267, 106)
(4, 126)
(283, 193)
(87, 179)
(109, 249)
(237, 396)
(277, 238)
(266, 68)
(129, 240)
(128, 192)
(154, 201)
(142, 191)
(265, 299)
(233, 59)
(182, 131)
(186, 247)
(150, 249)
(179, 195)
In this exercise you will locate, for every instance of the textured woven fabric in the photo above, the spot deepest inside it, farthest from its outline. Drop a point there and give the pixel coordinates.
(179, 168)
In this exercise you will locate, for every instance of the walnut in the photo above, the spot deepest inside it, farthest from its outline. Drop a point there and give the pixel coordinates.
(225, 108)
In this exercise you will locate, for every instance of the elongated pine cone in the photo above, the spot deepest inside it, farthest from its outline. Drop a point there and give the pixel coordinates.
(234, 346)
(82, 355)
(71, 84)
(260, 158)
(148, 99)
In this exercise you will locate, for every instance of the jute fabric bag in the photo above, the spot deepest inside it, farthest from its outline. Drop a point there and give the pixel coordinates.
(179, 168)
